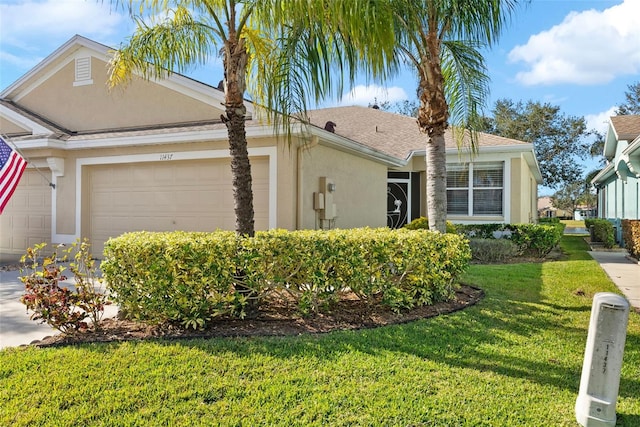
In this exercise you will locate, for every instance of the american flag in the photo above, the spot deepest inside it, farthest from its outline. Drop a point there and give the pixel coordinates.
(11, 167)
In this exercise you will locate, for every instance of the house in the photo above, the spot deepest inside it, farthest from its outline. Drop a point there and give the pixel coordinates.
(618, 184)
(547, 210)
(154, 156)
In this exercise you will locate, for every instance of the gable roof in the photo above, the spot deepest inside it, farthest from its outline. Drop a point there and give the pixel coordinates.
(622, 159)
(383, 136)
(621, 128)
(394, 134)
(64, 54)
(626, 127)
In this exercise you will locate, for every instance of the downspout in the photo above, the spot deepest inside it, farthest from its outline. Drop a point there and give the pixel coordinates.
(300, 179)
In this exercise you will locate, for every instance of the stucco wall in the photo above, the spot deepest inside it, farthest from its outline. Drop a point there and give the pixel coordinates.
(360, 195)
(7, 127)
(523, 192)
(94, 106)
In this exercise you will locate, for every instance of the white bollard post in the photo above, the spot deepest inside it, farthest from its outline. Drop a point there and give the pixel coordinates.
(596, 403)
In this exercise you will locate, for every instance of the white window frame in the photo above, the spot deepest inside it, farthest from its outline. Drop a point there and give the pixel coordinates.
(469, 188)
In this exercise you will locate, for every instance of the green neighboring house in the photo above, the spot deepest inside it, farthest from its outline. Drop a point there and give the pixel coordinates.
(618, 184)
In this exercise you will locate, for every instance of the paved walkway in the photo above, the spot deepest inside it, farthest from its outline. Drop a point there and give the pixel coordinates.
(623, 272)
(16, 328)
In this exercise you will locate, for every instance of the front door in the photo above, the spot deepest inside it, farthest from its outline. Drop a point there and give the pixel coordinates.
(403, 198)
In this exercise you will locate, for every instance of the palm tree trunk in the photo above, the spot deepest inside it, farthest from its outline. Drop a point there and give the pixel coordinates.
(436, 183)
(433, 116)
(235, 66)
(241, 174)
(235, 59)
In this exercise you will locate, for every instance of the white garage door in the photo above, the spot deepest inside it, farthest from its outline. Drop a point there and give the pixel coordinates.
(26, 220)
(191, 195)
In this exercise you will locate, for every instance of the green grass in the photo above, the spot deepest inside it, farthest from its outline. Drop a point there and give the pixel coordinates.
(512, 360)
(573, 223)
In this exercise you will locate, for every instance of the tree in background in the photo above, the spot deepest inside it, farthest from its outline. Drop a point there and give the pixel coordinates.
(557, 139)
(441, 41)
(573, 195)
(405, 107)
(597, 147)
(632, 104)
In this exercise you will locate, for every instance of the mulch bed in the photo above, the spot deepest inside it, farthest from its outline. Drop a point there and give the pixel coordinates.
(281, 320)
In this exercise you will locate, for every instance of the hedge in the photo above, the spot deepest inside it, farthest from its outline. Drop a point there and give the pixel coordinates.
(532, 239)
(422, 223)
(190, 278)
(602, 231)
(493, 250)
(631, 236)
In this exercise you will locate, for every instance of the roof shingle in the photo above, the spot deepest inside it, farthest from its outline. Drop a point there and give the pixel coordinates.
(626, 127)
(393, 134)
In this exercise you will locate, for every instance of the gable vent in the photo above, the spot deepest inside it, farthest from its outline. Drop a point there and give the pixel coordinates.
(83, 71)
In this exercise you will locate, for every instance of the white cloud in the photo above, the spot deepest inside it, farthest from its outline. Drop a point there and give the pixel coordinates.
(26, 21)
(599, 121)
(588, 47)
(17, 61)
(34, 28)
(367, 95)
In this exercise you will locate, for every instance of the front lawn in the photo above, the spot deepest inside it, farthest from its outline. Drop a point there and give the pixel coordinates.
(573, 223)
(512, 360)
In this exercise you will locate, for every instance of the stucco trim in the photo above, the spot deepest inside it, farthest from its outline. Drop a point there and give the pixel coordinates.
(23, 122)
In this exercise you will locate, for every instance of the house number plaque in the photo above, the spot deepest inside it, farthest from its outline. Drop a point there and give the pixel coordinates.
(166, 156)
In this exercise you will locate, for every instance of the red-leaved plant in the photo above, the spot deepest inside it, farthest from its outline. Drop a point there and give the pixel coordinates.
(61, 308)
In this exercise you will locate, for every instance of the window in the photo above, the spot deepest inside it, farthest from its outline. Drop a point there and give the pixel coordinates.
(475, 189)
(458, 191)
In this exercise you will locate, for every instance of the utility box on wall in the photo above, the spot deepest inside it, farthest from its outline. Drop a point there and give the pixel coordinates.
(600, 380)
(327, 188)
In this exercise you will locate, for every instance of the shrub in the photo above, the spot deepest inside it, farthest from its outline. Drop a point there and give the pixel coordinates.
(631, 236)
(422, 223)
(602, 231)
(57, 306)
(493, 250)
(552, 220)
(536, 239)
(481, 231)
(190, 278)
(532, 239)
(186, 278)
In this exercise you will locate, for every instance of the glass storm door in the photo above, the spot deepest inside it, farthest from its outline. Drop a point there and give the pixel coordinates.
(398, 200)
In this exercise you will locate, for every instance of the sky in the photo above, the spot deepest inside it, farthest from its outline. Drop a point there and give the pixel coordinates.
(580, 55)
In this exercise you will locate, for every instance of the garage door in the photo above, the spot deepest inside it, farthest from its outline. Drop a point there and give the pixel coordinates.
(26, 219)
(190, 195)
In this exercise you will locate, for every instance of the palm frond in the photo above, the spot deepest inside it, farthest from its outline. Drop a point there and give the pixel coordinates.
(466, 86)
(173, 43)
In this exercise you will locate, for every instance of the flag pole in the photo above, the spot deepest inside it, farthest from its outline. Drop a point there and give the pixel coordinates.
(6, 139)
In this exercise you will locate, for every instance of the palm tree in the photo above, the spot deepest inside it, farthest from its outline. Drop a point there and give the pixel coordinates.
(441, 39)
(283, 52)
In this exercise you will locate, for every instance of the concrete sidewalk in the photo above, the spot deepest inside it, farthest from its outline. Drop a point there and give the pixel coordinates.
(623, 272)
